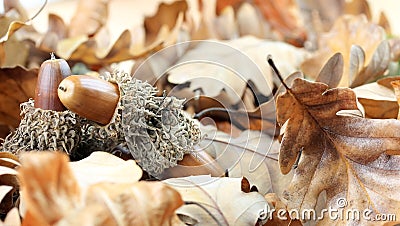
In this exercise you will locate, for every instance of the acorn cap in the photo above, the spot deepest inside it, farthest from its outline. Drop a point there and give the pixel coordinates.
(44, 130)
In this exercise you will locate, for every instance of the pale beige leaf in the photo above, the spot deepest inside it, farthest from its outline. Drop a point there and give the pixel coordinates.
(249, 21)
(226, 24)
(357, 61)
(12, 218)
(105, 167)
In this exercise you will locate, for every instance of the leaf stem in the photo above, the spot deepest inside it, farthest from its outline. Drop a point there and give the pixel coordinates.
(276, 71)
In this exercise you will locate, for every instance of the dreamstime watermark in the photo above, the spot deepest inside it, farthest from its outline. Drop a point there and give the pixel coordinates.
(333, 213)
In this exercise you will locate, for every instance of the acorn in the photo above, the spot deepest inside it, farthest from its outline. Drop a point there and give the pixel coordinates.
(45, 123)
(51, 73)
(124, 110)
(97, 97)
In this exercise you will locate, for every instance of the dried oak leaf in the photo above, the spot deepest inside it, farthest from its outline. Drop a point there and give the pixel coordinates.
(89, 17)
(53, 195)
(17, 86)
(345, 156)
(351, 30)
(223, 199)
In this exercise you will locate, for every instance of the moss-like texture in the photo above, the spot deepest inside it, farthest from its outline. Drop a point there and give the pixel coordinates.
(155, 129)
(44, 130)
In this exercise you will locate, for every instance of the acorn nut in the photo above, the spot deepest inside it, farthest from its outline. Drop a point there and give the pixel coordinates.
(97, 97)
(51, 73)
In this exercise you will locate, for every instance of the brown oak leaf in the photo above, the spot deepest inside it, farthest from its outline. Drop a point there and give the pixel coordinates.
(17, 86)
(345, 156)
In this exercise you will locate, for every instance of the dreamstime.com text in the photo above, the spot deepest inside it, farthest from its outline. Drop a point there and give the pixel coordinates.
(339, 213)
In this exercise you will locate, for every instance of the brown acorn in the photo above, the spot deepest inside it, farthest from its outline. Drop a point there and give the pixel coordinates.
(97, 97)
(51, 73)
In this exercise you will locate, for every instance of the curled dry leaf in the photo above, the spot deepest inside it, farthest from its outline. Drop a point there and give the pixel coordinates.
(345, 156)
(141, 203)
(12, 52)
(282, 17)
(350, 30)
(54, 197)
(222, 198)
(166, 17)
(90, 16)
(377, 100)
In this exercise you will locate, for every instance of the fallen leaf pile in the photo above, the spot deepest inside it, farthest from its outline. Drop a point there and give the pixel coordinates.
(295, 103)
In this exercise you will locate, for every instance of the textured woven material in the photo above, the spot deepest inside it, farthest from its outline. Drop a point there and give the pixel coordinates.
(44, 130)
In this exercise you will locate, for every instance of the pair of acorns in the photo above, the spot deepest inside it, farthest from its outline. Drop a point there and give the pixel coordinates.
(79, 114)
